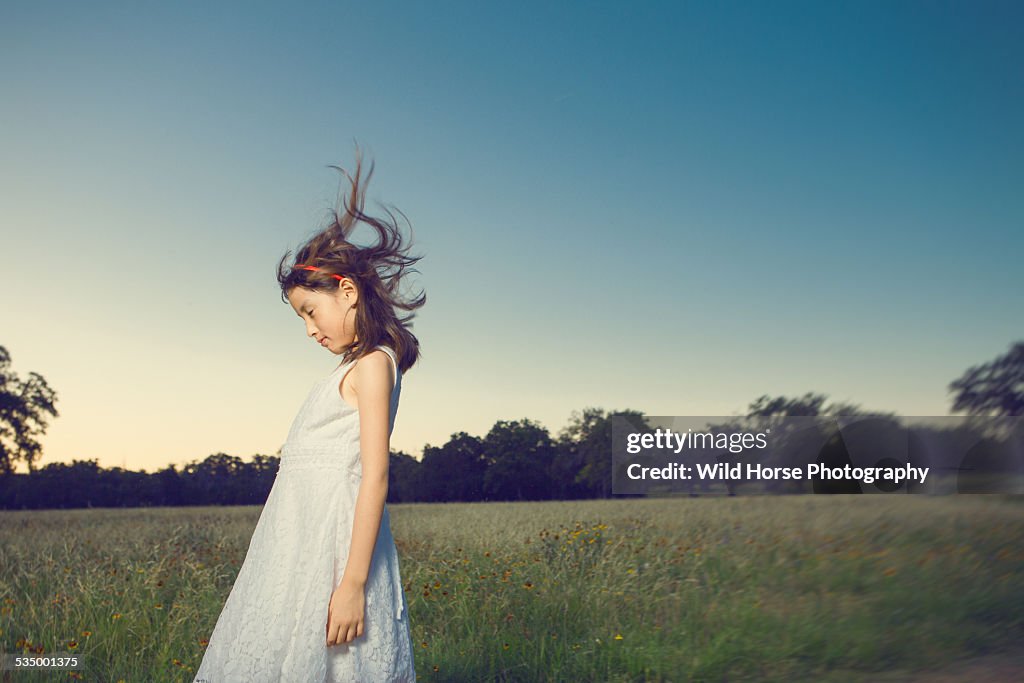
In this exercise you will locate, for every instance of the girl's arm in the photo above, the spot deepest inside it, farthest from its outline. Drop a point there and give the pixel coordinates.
(372, 383)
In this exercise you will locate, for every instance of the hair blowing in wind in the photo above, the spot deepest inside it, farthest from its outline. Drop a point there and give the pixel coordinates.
(376, 269)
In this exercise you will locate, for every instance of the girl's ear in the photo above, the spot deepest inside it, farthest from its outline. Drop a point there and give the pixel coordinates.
(347, 289)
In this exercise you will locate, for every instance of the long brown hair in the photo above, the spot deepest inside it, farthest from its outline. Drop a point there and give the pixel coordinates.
(376, 271)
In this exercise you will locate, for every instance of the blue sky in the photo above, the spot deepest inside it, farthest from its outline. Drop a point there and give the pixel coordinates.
(673, 208)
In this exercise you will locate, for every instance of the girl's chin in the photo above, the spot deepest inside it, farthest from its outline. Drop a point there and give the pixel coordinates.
(336, 348)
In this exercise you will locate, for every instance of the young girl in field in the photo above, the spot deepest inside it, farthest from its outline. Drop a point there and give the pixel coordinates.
(319, 595)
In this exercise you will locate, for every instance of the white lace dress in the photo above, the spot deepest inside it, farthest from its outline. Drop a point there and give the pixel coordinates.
(273, 627)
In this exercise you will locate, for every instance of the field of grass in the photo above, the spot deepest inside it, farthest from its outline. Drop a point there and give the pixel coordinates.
(822, 588)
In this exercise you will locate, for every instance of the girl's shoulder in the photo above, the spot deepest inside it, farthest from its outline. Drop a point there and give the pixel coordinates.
(389, 353)
(378, 359)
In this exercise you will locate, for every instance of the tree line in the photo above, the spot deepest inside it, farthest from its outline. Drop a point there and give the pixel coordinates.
(514, 461)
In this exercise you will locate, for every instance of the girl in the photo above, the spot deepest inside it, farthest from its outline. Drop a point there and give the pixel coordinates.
(319, 595)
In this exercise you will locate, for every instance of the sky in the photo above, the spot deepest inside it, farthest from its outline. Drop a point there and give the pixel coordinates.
(672, 208)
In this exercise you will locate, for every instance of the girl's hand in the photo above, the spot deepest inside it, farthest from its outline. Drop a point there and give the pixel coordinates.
(345, 614)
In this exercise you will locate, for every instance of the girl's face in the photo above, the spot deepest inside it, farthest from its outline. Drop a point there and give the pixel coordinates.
(330, 318)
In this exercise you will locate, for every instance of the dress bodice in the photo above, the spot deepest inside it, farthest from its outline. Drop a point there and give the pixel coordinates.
(325, 431)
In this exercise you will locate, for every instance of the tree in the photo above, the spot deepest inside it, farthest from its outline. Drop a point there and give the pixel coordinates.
(454, 471)
(23, 409)
(403, 477)
(588, 441)
(995, 388)
(519, 456)
(794, 441)
(573, 452)
(214, 480)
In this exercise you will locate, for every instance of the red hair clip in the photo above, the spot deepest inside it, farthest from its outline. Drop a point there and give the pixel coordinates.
(301, 265)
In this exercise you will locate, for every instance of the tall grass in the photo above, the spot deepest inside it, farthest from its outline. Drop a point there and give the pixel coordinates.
(702, 589)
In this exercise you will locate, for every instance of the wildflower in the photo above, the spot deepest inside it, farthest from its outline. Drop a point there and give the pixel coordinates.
(72, 644)
(618, 636)
(528, 586)
(86, 633)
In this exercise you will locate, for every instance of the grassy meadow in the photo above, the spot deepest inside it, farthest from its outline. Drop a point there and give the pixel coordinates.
(818, 588)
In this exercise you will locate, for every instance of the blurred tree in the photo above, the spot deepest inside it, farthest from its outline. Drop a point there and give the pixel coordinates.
(793, 442)
(995, 388)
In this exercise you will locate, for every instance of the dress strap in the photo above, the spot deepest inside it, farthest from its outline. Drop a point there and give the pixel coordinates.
(394, 361)
(388, 350)
(392, 355)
